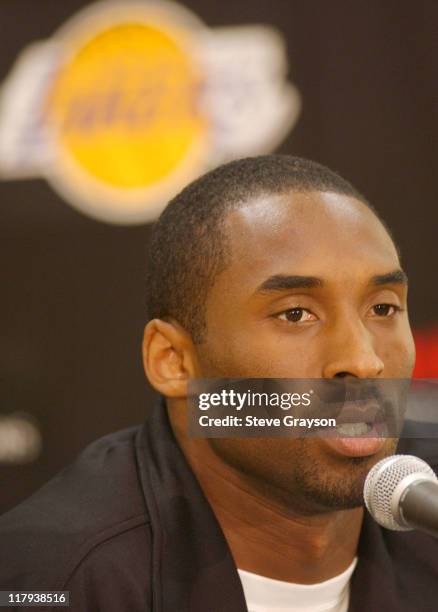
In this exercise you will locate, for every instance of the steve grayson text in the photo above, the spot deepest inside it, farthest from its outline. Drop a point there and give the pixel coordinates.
(254, 421)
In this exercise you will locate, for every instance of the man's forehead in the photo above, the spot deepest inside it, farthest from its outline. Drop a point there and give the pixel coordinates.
(268, 211)
(307, 233)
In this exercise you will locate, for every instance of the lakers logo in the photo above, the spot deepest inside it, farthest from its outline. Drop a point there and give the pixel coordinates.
(129, 104)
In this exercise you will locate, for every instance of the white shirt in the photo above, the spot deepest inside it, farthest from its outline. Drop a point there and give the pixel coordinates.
(267, 595)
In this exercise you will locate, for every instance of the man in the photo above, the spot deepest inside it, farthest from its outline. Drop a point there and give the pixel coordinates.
(266, 267)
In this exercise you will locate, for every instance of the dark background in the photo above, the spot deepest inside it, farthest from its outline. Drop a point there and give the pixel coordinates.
(72, 305)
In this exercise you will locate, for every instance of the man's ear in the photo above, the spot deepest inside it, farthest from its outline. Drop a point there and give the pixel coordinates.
(169, 358)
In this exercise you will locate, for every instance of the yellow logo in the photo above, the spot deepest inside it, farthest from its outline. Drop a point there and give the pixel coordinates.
(128, 106)
(125, 106)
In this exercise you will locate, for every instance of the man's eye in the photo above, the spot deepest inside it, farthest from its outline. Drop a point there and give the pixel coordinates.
(385, 310)
(297, 315)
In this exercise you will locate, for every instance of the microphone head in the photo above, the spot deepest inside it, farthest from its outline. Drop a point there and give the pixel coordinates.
(382, 491)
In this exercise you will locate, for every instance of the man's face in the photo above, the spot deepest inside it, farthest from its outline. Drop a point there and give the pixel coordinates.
(309, 293)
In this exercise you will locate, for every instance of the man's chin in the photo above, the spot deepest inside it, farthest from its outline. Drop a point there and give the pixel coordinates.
(337, 484)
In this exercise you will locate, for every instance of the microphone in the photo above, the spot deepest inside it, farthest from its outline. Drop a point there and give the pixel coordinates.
(401, 493)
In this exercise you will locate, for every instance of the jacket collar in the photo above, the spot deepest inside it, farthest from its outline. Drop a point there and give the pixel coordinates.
(193, 569)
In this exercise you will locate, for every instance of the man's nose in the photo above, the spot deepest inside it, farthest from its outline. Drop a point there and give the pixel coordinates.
(350, 351)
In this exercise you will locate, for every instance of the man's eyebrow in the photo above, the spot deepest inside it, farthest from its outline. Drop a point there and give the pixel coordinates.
(281, 282)
(397, 277)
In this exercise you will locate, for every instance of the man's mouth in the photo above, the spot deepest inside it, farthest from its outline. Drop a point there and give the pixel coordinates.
(354, 429)
(362, 418)
(359, 446)
(361, 430)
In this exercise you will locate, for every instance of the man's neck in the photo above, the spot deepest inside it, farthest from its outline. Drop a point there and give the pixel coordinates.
(268, 537)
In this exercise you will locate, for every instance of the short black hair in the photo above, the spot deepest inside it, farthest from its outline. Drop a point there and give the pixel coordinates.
(189, 247)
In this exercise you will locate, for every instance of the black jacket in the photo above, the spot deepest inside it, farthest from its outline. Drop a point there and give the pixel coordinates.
(127, 528)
